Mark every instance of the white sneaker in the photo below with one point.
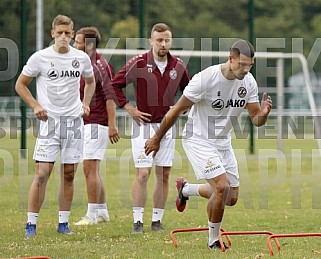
(103, 218)
(86, 221)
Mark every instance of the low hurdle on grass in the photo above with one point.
(193, 230)
(227, 234)
(275, 236)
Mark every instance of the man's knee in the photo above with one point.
(142, 177)
(69, 176)
(41, 179)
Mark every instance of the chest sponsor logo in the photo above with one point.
(218, 104)
(235, 103)
(242, 92)
(54, 74)
(70, 73)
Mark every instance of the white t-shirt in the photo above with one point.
(161, 65)
(218, 103)
(58, 79)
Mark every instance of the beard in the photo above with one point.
(162, 53)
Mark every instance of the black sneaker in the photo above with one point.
(157, 226)
(217, 245)
(138, 228)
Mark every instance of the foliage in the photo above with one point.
(195, 19)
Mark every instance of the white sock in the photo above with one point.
(91, 210)
(32, 218)
(157, 214)
(138, 213)
(191, 190)
(213, 232)
(64, 216)
(102, 209)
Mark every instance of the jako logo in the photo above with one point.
(52, 74)
(218, 104)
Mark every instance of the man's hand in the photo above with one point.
(41, 113)
(86, 110)
(113, 134)
(266, 104)
(138, 116)
(152, 145)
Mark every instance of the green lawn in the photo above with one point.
(277, 194)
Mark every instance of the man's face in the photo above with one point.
(80, 42)
(62, 35)
(241, 65)
(161, 42)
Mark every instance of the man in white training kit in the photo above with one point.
(58, 70)
(216, 96)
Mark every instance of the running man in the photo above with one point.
(217, 96)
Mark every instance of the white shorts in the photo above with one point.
(95, 142)
(64, 136)
(140, 134)
(208, 162)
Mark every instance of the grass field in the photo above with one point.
(277, 194)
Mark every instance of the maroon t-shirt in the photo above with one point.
(154, 92)
(103, 72)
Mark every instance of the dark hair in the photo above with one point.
(91, 35)
(243, 47)
(160, 27)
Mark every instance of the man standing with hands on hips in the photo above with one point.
(157, 76)
(217, 96)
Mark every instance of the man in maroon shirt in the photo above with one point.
(157, 76)
(100, 125)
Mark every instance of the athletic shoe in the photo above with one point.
(138, 228)
(217, 245)
(157, 226)
(64, 229)
(181, 199)
(86, 221)
(103, 218)
(30, 230)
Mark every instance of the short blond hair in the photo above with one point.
(62, 20)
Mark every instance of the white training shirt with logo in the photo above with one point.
(58, 79)
(218, 104)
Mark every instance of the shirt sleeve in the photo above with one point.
(105, 74)
(32, 67)
(119, 82)
(88, 69)
(185, 79)
(196, 88)
(253, 90)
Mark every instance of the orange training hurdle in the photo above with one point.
(230, 233)
(288, 235)
(192, 230)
